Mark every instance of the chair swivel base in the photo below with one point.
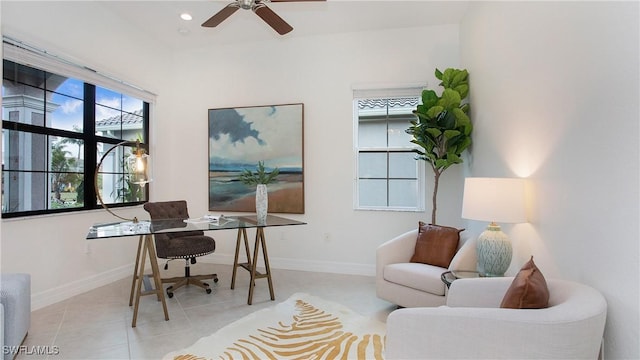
(189, 280)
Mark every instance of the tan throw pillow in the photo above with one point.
(436, 245)
(528, 289)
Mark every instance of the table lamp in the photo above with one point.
(138, 167)
(495, 200)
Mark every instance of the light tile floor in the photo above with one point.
(97, 324)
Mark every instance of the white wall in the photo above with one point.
(554, 98)
(53, 249)
(318, 72)
(554, 88)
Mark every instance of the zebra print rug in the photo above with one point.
(302, 327)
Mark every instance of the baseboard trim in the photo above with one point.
(303, 265)
(66, 291)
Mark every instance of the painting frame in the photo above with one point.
(239, 138)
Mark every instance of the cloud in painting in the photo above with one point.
(229, 122)
(268, 133)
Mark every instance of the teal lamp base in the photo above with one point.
(494, 252)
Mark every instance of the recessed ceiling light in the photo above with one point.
(186, 16)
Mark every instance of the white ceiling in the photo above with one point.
(161, 19)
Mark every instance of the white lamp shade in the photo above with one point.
(500, 200)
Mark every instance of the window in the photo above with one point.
(388, 176)
(55, 128)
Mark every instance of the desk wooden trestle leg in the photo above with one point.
(146, 247)
(251, 263)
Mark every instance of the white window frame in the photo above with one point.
(373, 92)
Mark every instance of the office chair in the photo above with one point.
(185, 245)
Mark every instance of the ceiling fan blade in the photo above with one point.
(221, 15)
(271, 18)
(294, 0)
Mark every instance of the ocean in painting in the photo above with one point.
(227, 193)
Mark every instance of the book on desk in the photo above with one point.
(211, 219)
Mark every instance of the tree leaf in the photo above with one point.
(447, 121)
(422, 117)
(462, 89)
(463, 145)
(446, 78)
(434, 132)
(459, 77)
(453, 159)
(435, 111)
(450, 99)
(462, 119)
(440, 163)
(429, 98)
(438, 74)
(464, 123)
(451, 133)
(420, 143)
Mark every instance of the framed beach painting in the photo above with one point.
(239, 138)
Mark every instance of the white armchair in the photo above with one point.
(414, 284)
(472, 326)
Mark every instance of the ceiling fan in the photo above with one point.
(257, 6)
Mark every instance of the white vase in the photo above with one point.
(262, 203)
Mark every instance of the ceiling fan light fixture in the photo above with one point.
(246, 4)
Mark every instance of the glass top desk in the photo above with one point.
(146, 248)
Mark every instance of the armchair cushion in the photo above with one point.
(436, 245)
(528, 289)
(417, 276)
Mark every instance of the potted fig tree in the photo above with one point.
(442, 128)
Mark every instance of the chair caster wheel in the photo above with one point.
(208, 291)
(215, 280)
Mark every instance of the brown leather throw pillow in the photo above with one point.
(436, 245)
(528, 290)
